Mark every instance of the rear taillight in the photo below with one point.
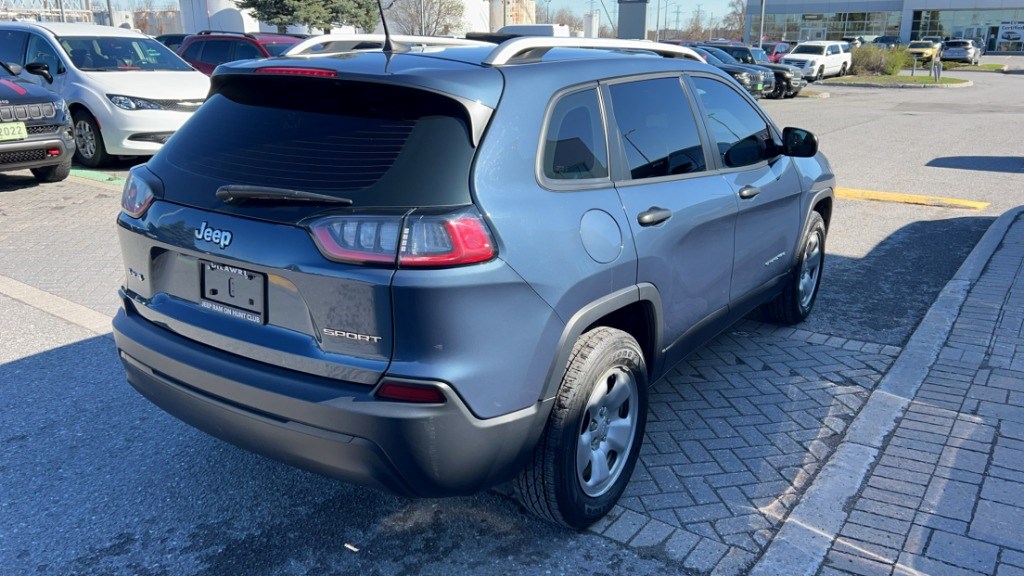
(137, 194)
(359, 239)
(414, 241)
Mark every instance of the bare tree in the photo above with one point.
(736, 19)
(695, 27)
(569, 18)
(427, 17)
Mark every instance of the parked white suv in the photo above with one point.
(820, 58)
(127, 92)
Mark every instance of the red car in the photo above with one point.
(776, 50)
(210, 48)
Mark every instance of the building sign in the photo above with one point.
(1010, 32)
(813, 16)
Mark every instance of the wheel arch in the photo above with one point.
(823, 206)
(636, 310)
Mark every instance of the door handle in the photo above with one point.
(654, 215)
(748, 192)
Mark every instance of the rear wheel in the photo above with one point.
(90, 149)
(584, 459)
(797, 299)
(54, 173)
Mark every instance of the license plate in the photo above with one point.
(760, 86)
(13, 131)
(233, 291)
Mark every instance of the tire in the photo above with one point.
(603, 392)
(820, 74)
(797, 299)
(842, 70)
(54, 173)
(792, 94)
(778, 91)
(90, 149)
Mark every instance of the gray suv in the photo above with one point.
(437, 270)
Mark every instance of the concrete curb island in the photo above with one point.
(800, 546)
(966, 84)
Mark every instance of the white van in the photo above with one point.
(127, 92)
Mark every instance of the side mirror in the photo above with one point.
(40, 69)
(15, 69)
(799, 143)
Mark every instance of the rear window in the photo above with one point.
(279, 48)
(955, 44)
(375, 144)
(805, 49)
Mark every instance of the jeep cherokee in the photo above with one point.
(446, 268)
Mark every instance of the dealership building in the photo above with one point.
(997, 23)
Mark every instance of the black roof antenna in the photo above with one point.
(390, 47)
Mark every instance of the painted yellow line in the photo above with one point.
(855, 194)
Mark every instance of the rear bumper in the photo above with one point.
(333, 428)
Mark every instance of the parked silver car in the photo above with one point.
(962, 51)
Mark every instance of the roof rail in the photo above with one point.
(206, 32)
(375, 41)
(250, 34)
(510, 49)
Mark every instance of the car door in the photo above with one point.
(682, 214)
(39, 49)
(833, 59)
(765, 184)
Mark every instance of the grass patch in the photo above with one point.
(992, 67)
(893, 80)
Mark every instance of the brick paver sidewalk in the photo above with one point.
(947, 494)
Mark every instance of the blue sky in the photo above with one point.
(686, 8)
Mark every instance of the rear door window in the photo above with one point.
(192, 52)
(656, 128)
(741, 135)
(574, 145)
(246, 51)
(216, 51)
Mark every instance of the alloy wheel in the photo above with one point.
(85, 139)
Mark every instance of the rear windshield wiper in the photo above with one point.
(235, 193)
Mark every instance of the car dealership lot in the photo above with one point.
(99, 481)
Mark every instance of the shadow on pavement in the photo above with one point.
(1011, 164)
(883, 296)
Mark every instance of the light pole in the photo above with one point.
(760, 35)
(657, 22)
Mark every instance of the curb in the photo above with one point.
(800, 546)
(966, 84)
(814, 95)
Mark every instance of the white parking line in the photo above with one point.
(62, 308)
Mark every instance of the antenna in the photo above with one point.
(390, 46)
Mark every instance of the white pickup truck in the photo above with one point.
(820, 58)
